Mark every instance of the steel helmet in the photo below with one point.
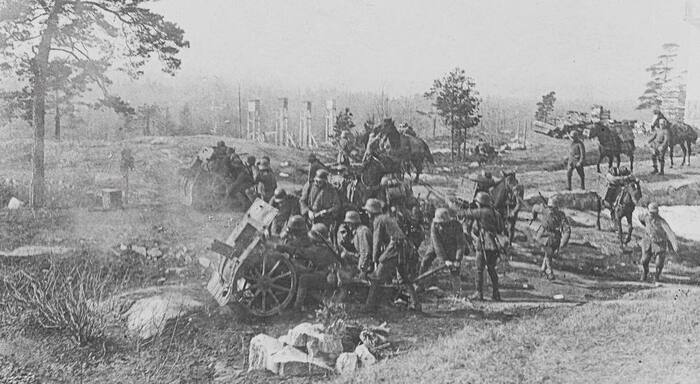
(483, 198)
(553, 201)
(250, 160)
(442, 215)
(386, 180)
(319, 231)
(373, 206)
(352, 217)
(486, 174)
(321, 174)
(653, 207)
(280, 194)
(624, 171)
(221, 144)
(296, 224)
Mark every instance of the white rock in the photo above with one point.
(558, 297)
(154, 253)
(347, 363)
(147, 316)
(262, 347)
(204, 262)
(292, 362)
(366, 357)
(140, 250)
(474, 164)
(15, 203)
(307, 334)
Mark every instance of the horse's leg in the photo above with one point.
(600, 208)
(600, 156)
(690, 144)
(618, 157)
(631, 155)
(418, 164)
(618, 221)
(670, 155)
(629, 226)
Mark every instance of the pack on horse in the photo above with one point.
(624, 206)
(385, 141)
(681, 134)
(507, 197)
(611, 146)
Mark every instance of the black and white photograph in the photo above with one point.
(349, 191)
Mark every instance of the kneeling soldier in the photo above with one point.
(447, 243)
(320, 260)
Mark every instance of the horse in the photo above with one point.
(611, 146)
(507, 197)
(681, 133)
(409, 151)
(625, 203)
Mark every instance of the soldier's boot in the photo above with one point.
(568, 181)
(645, 273)
(373, 297)
(301, 298)
(583, 182)
(661, 166)
(657, 274)
(496, 295)
(479, 294)
(655, 169)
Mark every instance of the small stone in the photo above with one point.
(204, 262)
(15, 203)
(123, 247)
(347, 363)
(292, 362)
(558, 297)
(139, 250)
(154, 253)
(366, 357)
(260, 352)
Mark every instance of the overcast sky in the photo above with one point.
(580, 48)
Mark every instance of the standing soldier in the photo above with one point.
(265, 182)
(392, 254)
(345, 148)
(659, 144)
(447, 244)
(554, 236)
(287, 206)
(487, 223)
(319, 260)
(314, 165)
(577, 159)
(484, 182)
(320, 201)
(252, 166)
(657, 236)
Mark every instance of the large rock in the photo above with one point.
(262, 347)
(347, 363)
(366, 357)
(148, 315)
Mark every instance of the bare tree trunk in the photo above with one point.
(41, 66)
(57, 122)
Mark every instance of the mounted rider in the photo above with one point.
(657, 237)
(486, 224)
(554, 235)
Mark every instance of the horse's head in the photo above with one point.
(510, 179)
(634, 189)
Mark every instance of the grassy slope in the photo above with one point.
(647, 337)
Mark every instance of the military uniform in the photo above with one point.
(319, 262)
(577, 159)
(659, 144)
(322, 200)
(265, 184)
(355, 246)
(345, 149)
(487, 224)
(393, 254)
(555, 228)
(615, 183)
(447, 243)
(287, 206)
(657, 236)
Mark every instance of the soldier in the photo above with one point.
(392, 254)
(355, 242)
(345, 147)
(265, 182)
(659, 144)
(555, 235)
(314, 165)
(252, 167)
(320, 201)
(447, 242)
(294, 234)
(657, 236)
(287, 206)
(577, 159)
(484, 182)
(487, 223)
(320, 260)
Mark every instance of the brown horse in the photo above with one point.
(685, 136)
(625, 203)
(610, 145)
(507, 197)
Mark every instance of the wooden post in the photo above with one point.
(330, 118)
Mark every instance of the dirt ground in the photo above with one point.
(592, 271)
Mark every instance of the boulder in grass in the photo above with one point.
(365, 356)
(260, 352)
(307, 334)
(347, 363)
(15, 203)
(290, 361)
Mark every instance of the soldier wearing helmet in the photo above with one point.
(486, 223)
(554, 234)
(577, 159)
(317, 262)
(320, 201)
(484, 182)
(655, 243)
(355, 242)
(447, 242)
(314, 165)
(392, 254)
(287, 206)
(659, 143)
(265, 182)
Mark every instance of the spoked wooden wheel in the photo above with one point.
(266, 283)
